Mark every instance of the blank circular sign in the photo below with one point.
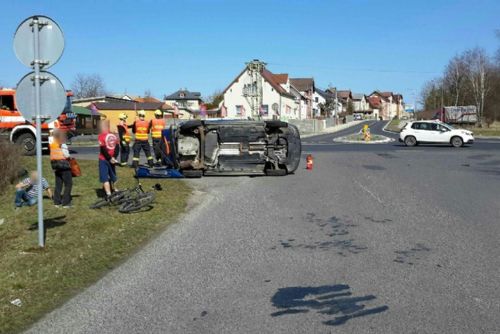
(51, 41)
(52, 96)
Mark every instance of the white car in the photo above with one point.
(434, 132)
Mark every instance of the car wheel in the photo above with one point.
(192, 173)
(276, 124)
(276, 172)
(190, 125)
(410, 141)
(457, 142)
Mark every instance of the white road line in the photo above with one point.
(369, 192)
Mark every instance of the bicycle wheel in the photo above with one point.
(100, 204)
(141, 201)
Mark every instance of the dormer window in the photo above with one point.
(182, 94)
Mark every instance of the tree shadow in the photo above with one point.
(336, 300)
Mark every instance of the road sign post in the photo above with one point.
(38, 123)
(39, 49)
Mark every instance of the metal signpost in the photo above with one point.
(38, 44)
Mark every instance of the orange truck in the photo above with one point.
(22, 131)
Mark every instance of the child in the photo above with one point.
(27, 190)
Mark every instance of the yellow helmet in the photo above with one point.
(123, 116)
(141, 113)
(158, 112)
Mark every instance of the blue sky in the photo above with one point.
(203, 45)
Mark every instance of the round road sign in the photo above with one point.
(51, 41)
(52, 96)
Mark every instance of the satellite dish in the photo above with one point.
(51, 41)
(275, 107)
(53, 96)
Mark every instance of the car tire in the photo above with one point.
(276, 124)
(410, 141)
(457, 141)
(192, 173)
(28, 143)
(190, 125)
(276, 172)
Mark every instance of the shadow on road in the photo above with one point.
(336, 300)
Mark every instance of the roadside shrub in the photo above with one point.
(10, 164)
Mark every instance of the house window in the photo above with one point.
(316, 99)
(239, 110)
(264, 110)
(288, 109)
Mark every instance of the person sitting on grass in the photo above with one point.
(108, 152)
(27, 190)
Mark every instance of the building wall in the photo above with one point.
(112, 116)
(317, 100)
(190, 104)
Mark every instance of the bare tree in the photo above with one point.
(88, 85)
(147, 93)
(478, 67)
(454, 78)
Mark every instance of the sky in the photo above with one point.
(162, 46)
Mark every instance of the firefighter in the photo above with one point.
(157, 126)
(124, 135)
(141, 129)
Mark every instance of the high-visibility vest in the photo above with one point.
(126, 135)
(141, 130)
(157, 127)
(56, 152)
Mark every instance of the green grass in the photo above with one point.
(360, 137)
(81, 244)
(486, 132)
(393, 126)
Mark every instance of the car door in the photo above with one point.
(444, 134)
(433, 133)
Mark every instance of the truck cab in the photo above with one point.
(16, 128)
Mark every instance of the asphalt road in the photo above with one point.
(376, 239)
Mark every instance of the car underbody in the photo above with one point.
(236, 147)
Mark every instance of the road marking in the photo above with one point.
(369, 192)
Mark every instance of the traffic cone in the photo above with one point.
(309, 162)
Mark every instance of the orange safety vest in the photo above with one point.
(56, 152)
(126, 136)
(141, 130)
(157, 127)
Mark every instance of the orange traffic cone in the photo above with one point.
(309, 162)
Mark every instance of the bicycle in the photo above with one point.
(128, 200)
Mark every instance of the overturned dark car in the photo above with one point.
(232, 147)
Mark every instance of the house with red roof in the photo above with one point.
(260, 93)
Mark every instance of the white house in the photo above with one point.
(319, 98)
(277, 101)
(360, 103)
(306, 87)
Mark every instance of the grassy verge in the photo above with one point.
(360, 137)
(81, 244)
(393, 126)
(486, 132)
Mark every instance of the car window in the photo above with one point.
(434, 127)
(415, 126)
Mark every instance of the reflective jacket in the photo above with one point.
(141, 130)
(56, 152)
(126, 133)
(157, 126)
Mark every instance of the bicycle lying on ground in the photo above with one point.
(128, 200)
